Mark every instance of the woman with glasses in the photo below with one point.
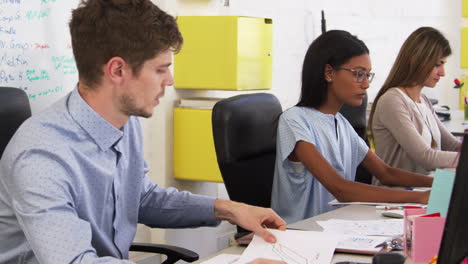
(406, 131)
(318, 150)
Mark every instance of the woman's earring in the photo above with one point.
(329, 79)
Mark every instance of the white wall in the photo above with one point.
(383, 25)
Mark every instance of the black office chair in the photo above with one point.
(244, 131)
(356, 115)
(14, 109)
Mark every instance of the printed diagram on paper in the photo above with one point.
(289, 255)
(294, 247)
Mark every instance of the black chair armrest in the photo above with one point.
(173, 253)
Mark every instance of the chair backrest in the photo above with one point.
(356, 115)
(14, 109)
(244, 131)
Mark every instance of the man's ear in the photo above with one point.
(114, 69)
(328, 73)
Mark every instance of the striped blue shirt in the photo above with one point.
(296, 193)
(73, 188)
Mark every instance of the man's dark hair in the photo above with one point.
(135, 30)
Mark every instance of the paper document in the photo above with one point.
(390, 227)
(335, 202)
(293, 246)
(223, 259)
(442, 186)
(361, 244)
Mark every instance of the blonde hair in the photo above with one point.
(418, 56)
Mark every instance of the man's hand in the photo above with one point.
(249, 217)
(266, 261)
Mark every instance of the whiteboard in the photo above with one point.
(35, 49)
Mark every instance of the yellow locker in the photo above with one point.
(465, 8)
(194, 153)
(464, 48)
(224, 53)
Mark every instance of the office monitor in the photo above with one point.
(454, 245)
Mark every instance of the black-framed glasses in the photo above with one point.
(359, 74)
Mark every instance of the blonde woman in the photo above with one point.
(403, 125)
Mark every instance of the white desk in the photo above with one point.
(351, 212)
(456, 125)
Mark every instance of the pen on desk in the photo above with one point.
(387, 207)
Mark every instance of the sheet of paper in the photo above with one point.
(361, 244)
(294, 246)
(223, 259)
(335, 202)
(390, 227)
(441, 192)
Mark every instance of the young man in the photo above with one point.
(73, 181)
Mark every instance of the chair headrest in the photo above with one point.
(356, 115)
(14, 109)
(244, 126)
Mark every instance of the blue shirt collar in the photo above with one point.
(102, 132)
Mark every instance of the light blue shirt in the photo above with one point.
(73, 188)
(296, 193)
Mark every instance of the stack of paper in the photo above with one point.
(335, 202)
(391, 227)
(362, 244)
(305, 247)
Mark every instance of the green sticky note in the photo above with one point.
(441, 191)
